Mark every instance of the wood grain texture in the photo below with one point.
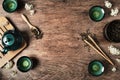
(61, 54)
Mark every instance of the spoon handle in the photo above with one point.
(26, 20)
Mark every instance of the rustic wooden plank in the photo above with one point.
(1, 46)
(61, 53)
(5, 23)
(1, 33)
(3, 29)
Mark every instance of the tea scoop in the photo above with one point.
(37, 33)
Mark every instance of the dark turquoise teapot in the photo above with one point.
(11, 40)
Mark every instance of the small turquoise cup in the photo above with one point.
(96, 13)
(24, 64)
(10, 5)
(96, 68)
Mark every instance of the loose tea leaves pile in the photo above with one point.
(84, 36)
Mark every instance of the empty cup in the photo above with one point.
(24, 64)
(10, 5)
(96, 13)
(96, 68)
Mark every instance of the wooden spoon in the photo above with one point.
(34, 30)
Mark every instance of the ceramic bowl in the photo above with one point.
(24, 64)
(96, 68)
(112, 31)
(10, 5)
(96, 13)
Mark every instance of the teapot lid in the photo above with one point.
(8, 39)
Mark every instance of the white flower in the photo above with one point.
(114, 12)
(118, 60)
(13, 73)
(114, 69)
(113, 50)
(28, 6)
(108, 4)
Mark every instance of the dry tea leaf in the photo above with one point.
(37, 33)
(13, 73)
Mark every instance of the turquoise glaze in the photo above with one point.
(96, 13)
(10, 5)
(24, 64)
(9, 39)
(96, 68)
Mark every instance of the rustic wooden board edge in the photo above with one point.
(11, 54)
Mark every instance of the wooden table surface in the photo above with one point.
(61, 54)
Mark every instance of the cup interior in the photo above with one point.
(24, 64)
(96, 68)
